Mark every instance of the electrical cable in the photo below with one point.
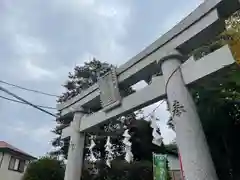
(13, 100)
(27, 102)
(154, 109)
(27, 89)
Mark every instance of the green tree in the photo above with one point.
(45, 168)
(81, 79)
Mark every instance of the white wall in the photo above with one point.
(174, 163)
(5, 173)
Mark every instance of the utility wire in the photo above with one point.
(27, 102)
(154, 109)
(27, 89)
(171, 75)
(21, 102)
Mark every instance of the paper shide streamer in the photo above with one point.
(157, 140)
(109, 152)
(128, 146)
(157, 137)
(92, 157)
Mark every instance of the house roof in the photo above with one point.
(8, 147)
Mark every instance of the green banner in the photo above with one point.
(159, 167)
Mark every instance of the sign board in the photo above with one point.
(160, 171)
(109, 91)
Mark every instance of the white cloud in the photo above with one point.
(84, 2)
(29, 45)
(76, 4)
(39, 134)
(107, 11)
(35, 72)
(103, 25)
(179, 14)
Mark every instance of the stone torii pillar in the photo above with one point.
(191, 141)
(76, 148)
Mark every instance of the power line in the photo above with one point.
(154, 109)
(27, 102)
(27, 89)
(171, 75)
(13, 100)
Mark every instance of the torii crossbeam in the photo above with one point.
(166, 56)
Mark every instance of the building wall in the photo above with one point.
(173, 162)
(174, 166)
(5, 173)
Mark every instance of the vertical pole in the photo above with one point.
(76, 149)
(196, 159)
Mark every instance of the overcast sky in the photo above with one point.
(42, 40)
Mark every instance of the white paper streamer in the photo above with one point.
(92, 145)
(126, 134)
(156, 133)
(129, 156)
(108, 162)
(153, 123)
(92, 157)
(128, 144)
(109, 150)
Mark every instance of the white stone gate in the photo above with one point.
(167, 57)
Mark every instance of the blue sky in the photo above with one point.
(42, 40)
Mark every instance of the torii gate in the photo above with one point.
(167, 57)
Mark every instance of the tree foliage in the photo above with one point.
(45, 168)
(83, 77)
